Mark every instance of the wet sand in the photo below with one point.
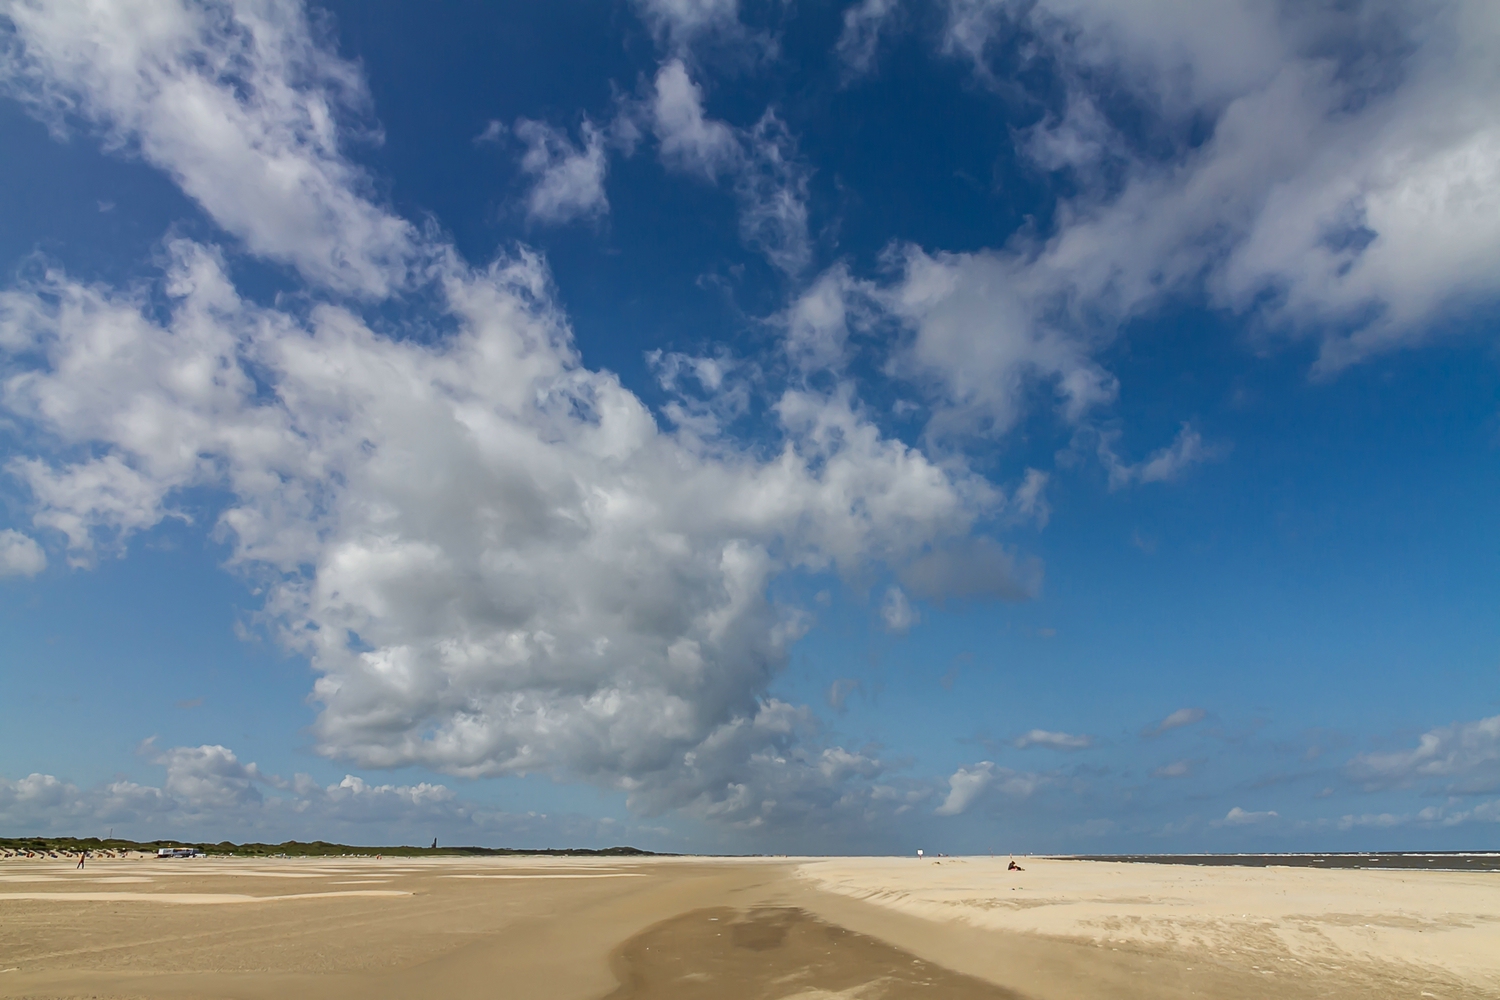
(773, 952)
(737, 929)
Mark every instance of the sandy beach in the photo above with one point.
(739, 929)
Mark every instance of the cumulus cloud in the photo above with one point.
(237, 102)
(967, 784)
(1242, 817)
(1347, 186)
(540, 576)
(817, 322)
(1055, 741)
(543, 579)
(689, 140)
(1178, 719)
(20, 555)
(209, 793)
(896, 611)
(964, 786)
(211, 779)
(981, 337)
(568, 180)
(1462, 758)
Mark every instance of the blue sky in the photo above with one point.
(727, 425)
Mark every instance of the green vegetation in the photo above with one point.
(294, 848)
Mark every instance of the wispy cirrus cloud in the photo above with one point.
(1162, 465)
(768, 178)
(859, 40)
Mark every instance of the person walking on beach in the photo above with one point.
(81, 856)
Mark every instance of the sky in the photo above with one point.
(752, 426)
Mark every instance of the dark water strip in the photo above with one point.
(1462, 861)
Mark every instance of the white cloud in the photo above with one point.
(679, 23)
(982, 339)
(1446, 815)
(1176, 769)
(20, 555)
(545, 579)
(1348, 188)
(859, 40)
(1079, 140)
(1055, 741)
(1462, 758)
(964, 786)
(235, 101)
(1241, 817)
(1178, 719)
(209, 794)
(690, 141)
(1163, 465)
(896, 611)
(772, 190)
(817, 321)
(1484, 812)
(1029, 501)
(541, 577)
(1379, 821)
(211, 779)
(769, 180)
(569, 181)
(967, 784)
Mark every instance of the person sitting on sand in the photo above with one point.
(1013, 867)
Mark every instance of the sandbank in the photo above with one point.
(740, 929)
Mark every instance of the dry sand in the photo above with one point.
(743, 929)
